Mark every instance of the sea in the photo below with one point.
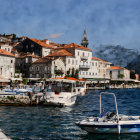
(55, 123)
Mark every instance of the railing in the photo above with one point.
(84, 66)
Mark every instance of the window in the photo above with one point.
(83, 73)
(119, 72)
(46, 68)
(86, 73)
(78, 53)
(26, 60)
(93, 73)
(89, 73)
(37, 75)
(37, 68)
(72, 62)
(30, 75)
(92, 63)
(11, 61)
(68, 61)
(83, 54)
(76, 62)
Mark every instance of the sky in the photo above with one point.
(107, 22)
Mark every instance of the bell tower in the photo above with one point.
(84, 41)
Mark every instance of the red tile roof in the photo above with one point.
(76, 46)
(61, 52)
(23, 55)
(116, 67)
(3, 52)
(41, 43)
(95, 58)
(43, 60)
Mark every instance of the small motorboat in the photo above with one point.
(110, 122)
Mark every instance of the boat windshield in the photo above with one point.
(61, 87)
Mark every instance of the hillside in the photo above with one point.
(135, 65)
(117, 55)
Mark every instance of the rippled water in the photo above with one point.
(54, 123)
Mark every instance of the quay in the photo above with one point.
(3, 136)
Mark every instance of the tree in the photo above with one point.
(25, 81)
(120, 76)
(73, 72)
(77, 74)
(132, 75)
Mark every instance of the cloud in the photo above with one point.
(56, 35)
(107, 21)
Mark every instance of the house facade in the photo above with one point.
(7, 65)
(118, 73)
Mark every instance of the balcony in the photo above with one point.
(84, 66)
(84, 57)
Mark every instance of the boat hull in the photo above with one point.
(126, 128)
(65, 102)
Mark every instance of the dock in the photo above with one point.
(3, 136)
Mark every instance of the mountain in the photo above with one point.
(135, 64)
(117, 55)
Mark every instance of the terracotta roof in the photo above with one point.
(23, 55)
(95, 58)
(116, 67)
(41, 43)
(3, 52)
(42, 60)
(61, 52)
(76, 46)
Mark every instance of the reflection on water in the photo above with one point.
(33, 123)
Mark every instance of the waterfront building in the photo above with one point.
(38, 47)
(47, 67)
(6, 46)
(118, 73)
(23, 62)
(7, 64)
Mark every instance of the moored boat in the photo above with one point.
(110, 122)
(61, 92)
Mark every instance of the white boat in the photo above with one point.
(63, 92)
(111, 122)
(81, 87)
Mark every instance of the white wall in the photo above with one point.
(7, 66)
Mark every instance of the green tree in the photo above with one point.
(132, 75)
(25, 81)
(76, 74)
(120, 76)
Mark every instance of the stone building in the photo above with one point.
(30, 45)
(47, 67)
(23, 62)
(7, 64)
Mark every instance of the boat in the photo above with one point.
(110, 122)
(82, 86)
(61, 92)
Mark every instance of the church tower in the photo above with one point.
(84, 41)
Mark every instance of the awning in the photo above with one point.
(3, 79)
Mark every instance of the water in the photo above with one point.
(54, 123)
